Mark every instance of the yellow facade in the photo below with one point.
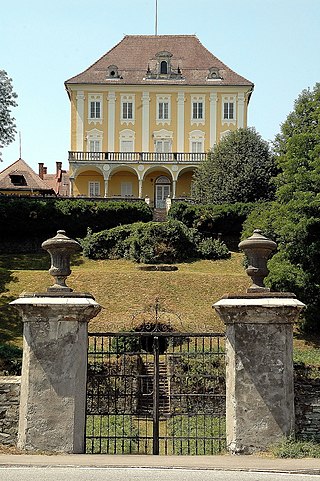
(147, 138)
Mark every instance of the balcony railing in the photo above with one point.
(137, 156)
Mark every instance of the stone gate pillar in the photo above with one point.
(54, 367)
(259, 373)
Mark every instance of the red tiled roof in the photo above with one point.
(31, 180)
(58, 182)
(135, 53)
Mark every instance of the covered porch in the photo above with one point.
(153, 183)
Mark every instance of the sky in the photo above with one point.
(273, 43)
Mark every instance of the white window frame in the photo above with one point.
(126, 100)
(224, 133)
(94, 144)
(196, 100)
(94, 188)
(227, 101)
(126, 136)
(163, 146)
(197, 146)
(95, 99)
(163, 114)
(163, 139)
(126, 189)
(196, 142)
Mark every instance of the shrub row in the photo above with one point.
(212, 219)
(152, 242)
(33, 218)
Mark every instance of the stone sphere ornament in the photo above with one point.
(60, 249)
(258, 249)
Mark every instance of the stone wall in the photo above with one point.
(9, 409)
(307, 403)
(307, 406)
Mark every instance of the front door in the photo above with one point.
(162, 192)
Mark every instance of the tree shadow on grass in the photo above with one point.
(11, 327)
(32, 262)
(312, 340)
(10, 322)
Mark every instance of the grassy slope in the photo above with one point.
(123, 290)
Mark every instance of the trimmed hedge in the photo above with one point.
(213, 219)
(33, 218)
(152, 242)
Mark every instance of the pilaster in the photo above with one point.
(79, 119)
(240, 110)
(111, 120)
(213, 118)
(180, 121)
(145, 121)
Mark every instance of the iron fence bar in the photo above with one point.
(156, 396)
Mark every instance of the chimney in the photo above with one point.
(45, 169)
(58, 168)
(41, 167)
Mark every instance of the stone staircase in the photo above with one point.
(145, 404)
(159, 215)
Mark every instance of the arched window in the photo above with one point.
(162, 179)
(163, 67)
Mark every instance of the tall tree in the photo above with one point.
(294, 219)
(297, 148)
(7, 101)
(237, 169)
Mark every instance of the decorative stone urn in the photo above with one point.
(257, 249)
(60, 249)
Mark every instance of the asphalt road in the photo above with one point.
(140, 474)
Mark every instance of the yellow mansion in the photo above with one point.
(144, 115)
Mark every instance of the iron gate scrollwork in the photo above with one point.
(156, 393)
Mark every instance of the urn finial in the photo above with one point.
(257, 249)
(60, 249)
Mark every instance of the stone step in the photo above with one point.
(159, 215)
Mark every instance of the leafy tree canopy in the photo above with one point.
(293, 220)
(7, 101)
(237, 169)
(297, 148)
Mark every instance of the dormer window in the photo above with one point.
(164, 62)
(113, 71)
(163, 67)
(214, 74)
(18, 179)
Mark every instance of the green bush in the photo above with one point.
(210, 220)
(157, 242)
(213, 249)
(152, 242)
(32, 218)
(107, 244)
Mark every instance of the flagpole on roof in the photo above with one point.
(20, 144)
(156, 23)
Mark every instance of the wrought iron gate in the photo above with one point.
(156, 393)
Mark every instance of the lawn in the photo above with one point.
(123, 290)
